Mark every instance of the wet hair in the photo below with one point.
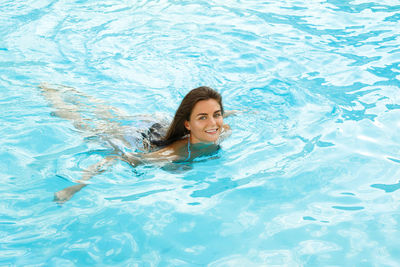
(177, 129)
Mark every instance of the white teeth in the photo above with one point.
(211, 131)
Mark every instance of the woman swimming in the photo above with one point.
(196, 130)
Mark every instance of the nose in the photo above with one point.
(212, 121)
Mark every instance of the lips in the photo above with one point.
(212, 131)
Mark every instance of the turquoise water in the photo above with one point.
(309, 177)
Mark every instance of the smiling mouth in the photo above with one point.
(212, 131)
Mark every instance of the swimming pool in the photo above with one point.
(309, 177)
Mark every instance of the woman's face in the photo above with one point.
(205, 122)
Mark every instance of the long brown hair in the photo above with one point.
(177, 128)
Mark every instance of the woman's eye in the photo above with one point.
(202, 117)
(217, 115)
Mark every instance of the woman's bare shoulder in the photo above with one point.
(170, 152)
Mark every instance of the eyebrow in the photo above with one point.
(201, 114)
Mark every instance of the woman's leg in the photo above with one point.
(63, 109)
(85, 112)
(89, 115)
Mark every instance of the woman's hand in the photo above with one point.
(64, 195)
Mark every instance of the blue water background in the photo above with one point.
(309, 177)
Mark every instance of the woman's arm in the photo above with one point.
(228, 113)
(97, 168)
(133, 159)
(163, 155)
(170, 153)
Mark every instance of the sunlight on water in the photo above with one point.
(309, 177)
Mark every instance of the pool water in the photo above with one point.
(309, 177)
